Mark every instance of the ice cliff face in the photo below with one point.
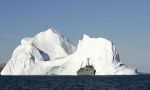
(51, 53)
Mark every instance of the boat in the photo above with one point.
(87, 70)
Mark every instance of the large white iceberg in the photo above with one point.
(50, 53)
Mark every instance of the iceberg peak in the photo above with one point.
(26, 41)
(86, 37)
(52, 31)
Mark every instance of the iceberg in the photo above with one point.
(50, 53)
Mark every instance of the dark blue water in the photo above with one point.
(140, 82)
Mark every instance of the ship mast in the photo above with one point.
(81, 65)
(88, 63)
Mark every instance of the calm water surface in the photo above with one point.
(140, 82)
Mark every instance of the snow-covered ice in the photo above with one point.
(50, 53)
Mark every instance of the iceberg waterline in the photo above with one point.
(50, 53)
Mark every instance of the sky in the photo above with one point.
(124, 22)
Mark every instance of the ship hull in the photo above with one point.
(86, 73)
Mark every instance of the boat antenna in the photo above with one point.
(88, 63)
(81, 65)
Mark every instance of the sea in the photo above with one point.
(137, 82)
